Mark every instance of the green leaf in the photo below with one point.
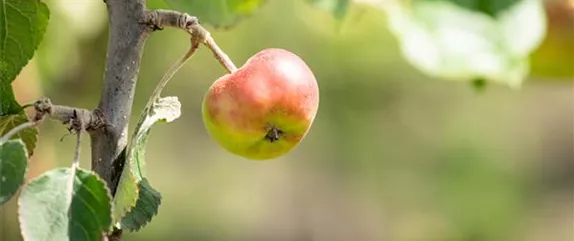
(218, 13)
(338, 7)
(165, 109)
(479, 85)
(29, 135)
(65, 204)
(22, 26)
(490, 7)
(126, 194)
(146, 207)
(13, 167)
(447, 41)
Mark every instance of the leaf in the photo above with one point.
(490, 7)
(218, 13)
(338, 7)
(479, 85)
(29, 135)
(447, 41)
(128, 194)
(65, 204)
(146, 207)
(22, 26)
(13, 167)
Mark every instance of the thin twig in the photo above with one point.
(160, 18)
(29, 104)
(76, 163)
(171, 71)
(17, 129)
(218, 53)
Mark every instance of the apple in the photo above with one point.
(265, 108)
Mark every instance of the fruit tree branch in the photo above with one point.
(126, 40)
(160, 18)
(92, 120)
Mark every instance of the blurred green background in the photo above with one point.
(393, 155)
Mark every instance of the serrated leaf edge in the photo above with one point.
(152, 216)
(39, 4)
(124, 212)
(108, 193)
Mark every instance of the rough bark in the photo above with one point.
(126, 40)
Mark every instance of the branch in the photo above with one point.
(158, 19)
(126, 40)
(125, 47)
(76, 163)
(93, 120)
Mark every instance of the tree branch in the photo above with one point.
(129, 25)
(125, 44)
(125, 48)
(90, 120)
(160, 18)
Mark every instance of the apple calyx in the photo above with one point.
(273, 134)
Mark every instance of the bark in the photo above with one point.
(130, 23)
(127, 35)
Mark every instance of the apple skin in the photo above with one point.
(265, 108)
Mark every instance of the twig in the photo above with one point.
(27, 105)
(157, 19)
(218, 53)
(17, 129)
(90, 120)
(77, 151)
(172, 70)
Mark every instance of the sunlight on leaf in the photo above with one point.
(447, 41)
(130, 199)
(65, 204)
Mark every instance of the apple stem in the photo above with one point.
(198, 31)
(159, 18)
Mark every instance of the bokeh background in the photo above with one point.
(394, 155)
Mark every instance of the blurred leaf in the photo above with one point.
(479, 85)
(447, 41)
(490, 7)
(217, 13)
(65, 204)
(22, 25)
(29, 135)
(13, 167)
(146, 207)
(165, 109)
(337, 7)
